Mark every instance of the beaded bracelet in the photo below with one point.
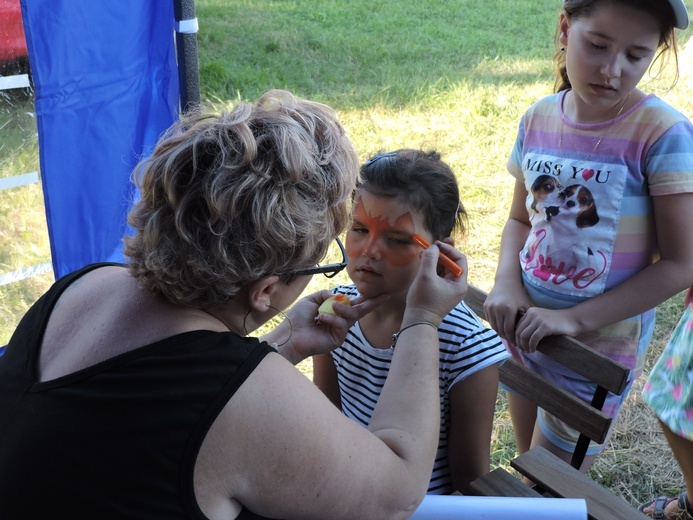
(396, 335)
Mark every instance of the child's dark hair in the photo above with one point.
(423, 181)
(658, 9)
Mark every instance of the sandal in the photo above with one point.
(660, 504)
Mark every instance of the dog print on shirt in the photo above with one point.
(573, 220)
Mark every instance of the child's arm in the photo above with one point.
(669, 275)
(508, 298)
(325, 378)
(472, 405)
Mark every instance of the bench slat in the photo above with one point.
(500, 483)
(558, 402)
(564, 481)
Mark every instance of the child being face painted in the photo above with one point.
(398, 194)
(382, 256)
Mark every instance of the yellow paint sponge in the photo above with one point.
(326, 306)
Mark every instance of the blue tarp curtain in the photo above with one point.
(106, 85)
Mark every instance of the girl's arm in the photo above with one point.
(508, 298)
(325, 378)
(472, 405)
(670, 274)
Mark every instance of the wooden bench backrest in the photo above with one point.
(551, 475)
(606, 373)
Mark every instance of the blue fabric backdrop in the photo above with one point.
(106, 84)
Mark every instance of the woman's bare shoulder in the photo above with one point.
(102, 314)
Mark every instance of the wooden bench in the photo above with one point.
(553, 477)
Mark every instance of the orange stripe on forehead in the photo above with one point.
(380, 228)
(403, 223)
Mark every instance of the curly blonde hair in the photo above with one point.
(227, 199)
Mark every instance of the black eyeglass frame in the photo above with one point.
(329, 270)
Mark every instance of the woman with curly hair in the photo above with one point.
(134, 391)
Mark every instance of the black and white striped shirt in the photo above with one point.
(466, 346)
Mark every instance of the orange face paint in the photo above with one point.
(380, 233)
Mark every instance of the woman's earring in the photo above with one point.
(286, 317)
(291, 325)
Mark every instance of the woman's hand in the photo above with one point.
(310, 337)
(430, 295)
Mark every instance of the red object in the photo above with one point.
(12, 39)
(444, 259)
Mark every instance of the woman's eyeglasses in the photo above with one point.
(329, 270)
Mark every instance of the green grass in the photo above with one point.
(451, 75)
(358, 54)
(23, 233)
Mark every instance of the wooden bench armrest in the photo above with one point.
(558, 402)
(500, 483)
(603, 371)
(562, 480)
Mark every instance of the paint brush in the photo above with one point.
(443, 259)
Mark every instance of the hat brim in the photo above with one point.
(680, 13)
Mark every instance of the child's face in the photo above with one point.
(382, 256)
(607, 54)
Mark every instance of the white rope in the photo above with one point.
(18, 81)
(19, 180)
(27, 272)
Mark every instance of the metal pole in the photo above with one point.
(186, 51)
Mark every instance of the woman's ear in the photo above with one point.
(260, 292)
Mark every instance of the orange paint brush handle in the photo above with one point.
(443, 259)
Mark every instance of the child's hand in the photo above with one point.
(313, 336)
(538, 323)
(504, 308)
